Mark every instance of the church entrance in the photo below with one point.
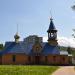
(37, 59)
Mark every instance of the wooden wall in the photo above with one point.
(20, 59)
(24, 59)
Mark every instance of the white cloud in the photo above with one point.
(64, 41)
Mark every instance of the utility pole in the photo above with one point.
(73, 8)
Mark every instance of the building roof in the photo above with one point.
(21, 47)
(63, 53)
(51, 26)
(48, 49)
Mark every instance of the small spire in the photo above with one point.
(17, 36)
(51, 18)
(17, 28)
(17, 31)
(51, 25)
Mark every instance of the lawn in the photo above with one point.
(26, 70)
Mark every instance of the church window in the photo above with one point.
(45, 58)
(29, 58)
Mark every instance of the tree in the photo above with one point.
(69, 50)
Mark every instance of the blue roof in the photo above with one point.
(48, 49)
(7, 45)
(21, 47)
(51, 26)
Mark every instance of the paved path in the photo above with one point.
(66, 70)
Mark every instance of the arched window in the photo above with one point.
(52, 35)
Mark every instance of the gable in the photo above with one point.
(37, 48)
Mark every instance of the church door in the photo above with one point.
(37, 59)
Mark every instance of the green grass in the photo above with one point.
(26, 70)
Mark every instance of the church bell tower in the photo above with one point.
(52, 34)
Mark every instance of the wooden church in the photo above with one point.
(32, 50)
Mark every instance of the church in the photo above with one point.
(32, 50)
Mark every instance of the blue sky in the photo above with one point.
(32, 16)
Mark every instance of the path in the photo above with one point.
(66, 70)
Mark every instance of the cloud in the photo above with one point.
(64, 41)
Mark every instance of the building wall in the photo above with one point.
(58, 59)
(24, 59)
(32, 39)
(64, 59)
(51, 59)
(20, 59)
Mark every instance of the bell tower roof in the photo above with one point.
(51, 26)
